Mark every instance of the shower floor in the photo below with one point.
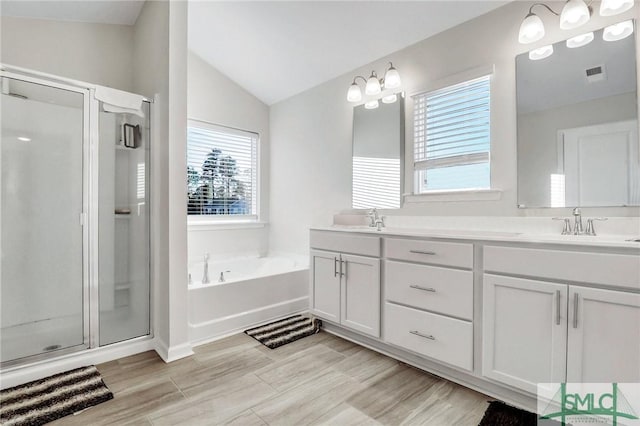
(36, 337)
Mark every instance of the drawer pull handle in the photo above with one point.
(417, 333)
(417, 287)
(576, 299)
(429, 253)
(557, 307)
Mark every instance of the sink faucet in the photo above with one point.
(577, 225)
(205, 276)
(379, 223)
(373, 217)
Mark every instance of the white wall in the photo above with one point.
(160, 73)
(311, 132)
(95, 53)
(214, 98)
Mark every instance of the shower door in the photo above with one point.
(43, 272)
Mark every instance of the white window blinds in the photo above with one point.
(222, 174)
(452, 137)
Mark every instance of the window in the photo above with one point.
(221, 172)
(452, 137)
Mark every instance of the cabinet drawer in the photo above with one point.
(365, 245)
(597, 268)
(442, 290)
(435, 336)
(434, 252)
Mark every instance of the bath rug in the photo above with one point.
(45, 400)
(500, 414)
(278, 333)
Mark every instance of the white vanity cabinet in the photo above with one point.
(428, 305)
(345, 287)
(524, 338)
(559, 330)
(603, 336)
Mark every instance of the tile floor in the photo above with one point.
(318, 380)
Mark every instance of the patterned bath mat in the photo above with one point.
(500, 414)
(48, 399)
(285, 331)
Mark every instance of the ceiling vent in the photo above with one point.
(594, 74)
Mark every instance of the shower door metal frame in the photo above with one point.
(83, 219)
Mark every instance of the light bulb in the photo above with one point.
(580, 40)
(371, 104)
(574, 14)
(618, 31)
(391, 78)
(531, 29)
(354, 94)
(389, 99)
(613, 7)
(373, 85)
(541, 53)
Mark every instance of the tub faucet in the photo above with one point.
(205, 276)
(221, 279)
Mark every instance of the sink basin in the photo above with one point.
(434, 232)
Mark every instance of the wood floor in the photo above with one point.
(318, 380)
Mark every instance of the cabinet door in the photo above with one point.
(524, 326)
(361, 294)
(604, 336)
(325, 285)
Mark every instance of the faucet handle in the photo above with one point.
(591, 230)
(566, 229)
(577, 211)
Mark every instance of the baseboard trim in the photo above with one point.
(19, 375)
(209, 331)
(468, 380)
(174, 353)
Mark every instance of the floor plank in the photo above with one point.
(320, 380)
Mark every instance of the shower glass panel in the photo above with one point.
(123, 221)
(42, 296)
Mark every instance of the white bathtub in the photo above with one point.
(255, 290)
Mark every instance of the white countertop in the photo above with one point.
(614, 241)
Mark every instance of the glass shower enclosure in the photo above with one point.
(74, 220)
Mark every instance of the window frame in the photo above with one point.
(459, 194)
(228, 221)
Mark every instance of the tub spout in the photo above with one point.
(205, 276)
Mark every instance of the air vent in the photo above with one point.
(594, 74)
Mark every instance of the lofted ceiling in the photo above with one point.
(276, 49)
(123, 12)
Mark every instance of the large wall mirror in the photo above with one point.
(578, 126)
(378, 154)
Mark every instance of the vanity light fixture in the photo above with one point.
(618, 31)
(374, 85)
(580, 40)
(541, 53)
(532, 28)
(575, 13)
(613, 7)
(24, 139)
